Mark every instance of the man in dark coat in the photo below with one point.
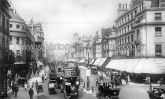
(16, 90)
(31, 93)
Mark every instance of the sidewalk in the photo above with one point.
(22, 94)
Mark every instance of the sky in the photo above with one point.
(62, 18)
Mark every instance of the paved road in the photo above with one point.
(131, 91)
(22, 94)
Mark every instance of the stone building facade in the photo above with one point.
(20, 39)
(140, 29)
(4, 44)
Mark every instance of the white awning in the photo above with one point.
(82, 61)
(97, 62)
(151, 66)
(130, 64)
(91, 62)
(72, 60)
(101, 61)
(112, 64)
(123, 64)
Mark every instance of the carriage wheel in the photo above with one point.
(97, 95)
(106, 97)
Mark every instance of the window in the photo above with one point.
(17, 52)
(131, 16)
(18, 39)
(23, 27)
(11, 25)
(3, 24)
(158, 31)
(135, 12)
(138, 34)
(131, 37)
(128, 39)
(10, 39)
(157, 16)
(17, 26)
(125, 40)
(158, 50)
(131, 25)
(128, 17)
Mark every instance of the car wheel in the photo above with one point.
(106, 97)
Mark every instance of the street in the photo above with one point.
(130, 91)
(22, 94)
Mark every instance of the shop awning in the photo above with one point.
(82, 61)
(151, 66)
(101, 62)
(112, 64)
(120, 64)
(123, 64)
(92, 61)
(97, 62)
(72, 60)
(131, 64)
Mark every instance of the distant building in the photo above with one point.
(140, 29)
(98, 44)
(108, 42)
(37, 31)
(4, 43)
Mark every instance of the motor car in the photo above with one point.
(106, 91)
(156, 92)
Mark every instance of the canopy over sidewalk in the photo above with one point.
(151, 66)
(99, 62)
(143, 65)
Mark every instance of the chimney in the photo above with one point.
(119, 5)
(122, 9)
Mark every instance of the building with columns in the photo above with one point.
(4, 44)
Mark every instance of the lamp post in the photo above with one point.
(88, 70)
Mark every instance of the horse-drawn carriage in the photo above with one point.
(107, 91)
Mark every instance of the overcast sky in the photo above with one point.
(62, 18)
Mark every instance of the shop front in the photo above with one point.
(21, 69)
(3, 80)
